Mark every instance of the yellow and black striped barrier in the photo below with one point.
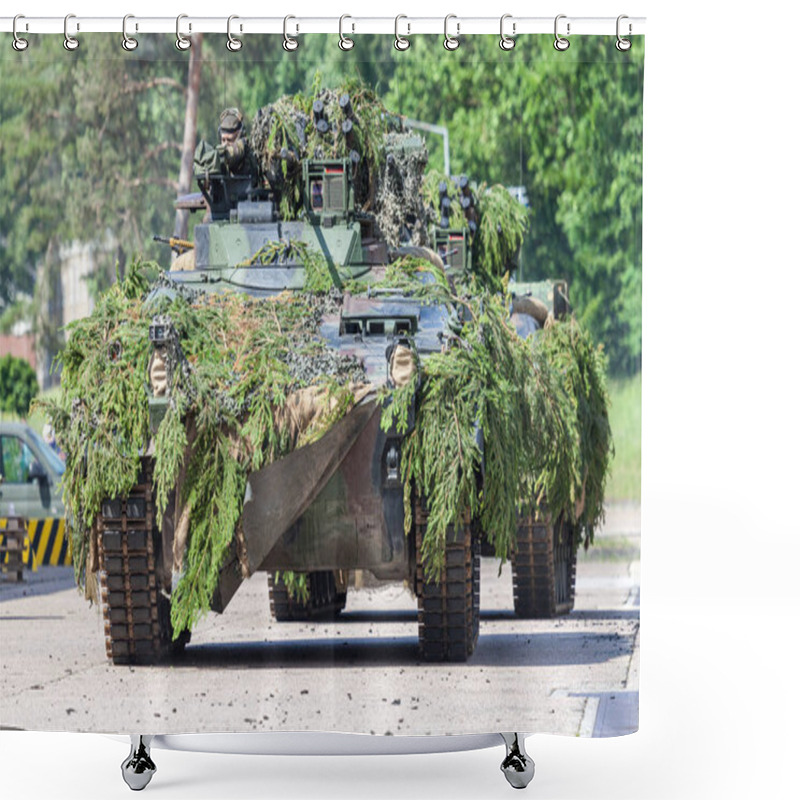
(47, 543)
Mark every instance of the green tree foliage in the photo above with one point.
(566, 126)
(18, 385)
(585, 166)
(89, 148)
(30, 137)
(92, 143)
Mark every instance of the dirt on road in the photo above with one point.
(577, 675)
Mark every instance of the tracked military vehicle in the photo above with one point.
(334, 506)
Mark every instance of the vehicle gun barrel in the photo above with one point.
(178, 245)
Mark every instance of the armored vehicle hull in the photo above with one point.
(326, 510)
(337, 504)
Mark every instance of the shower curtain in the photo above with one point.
(284, 582)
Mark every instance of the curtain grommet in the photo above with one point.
(401, 43)
(70, 42)
(561, 44)
(345, 42)
(622, 44)
(19, 44)
(451, 42)
(233, 44)
(128, 42)
(507, 42)
(182, 42)
(290, 44)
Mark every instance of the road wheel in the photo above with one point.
(135, 611)
(448, 611)
(543, 569)
(327, 597)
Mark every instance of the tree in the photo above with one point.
(93, 144)
(584, 157)
(30, 140)
(90, 146)
(18, 385)
(189, 132)
(565, 125)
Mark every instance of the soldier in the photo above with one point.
(232, 155)
(234, 151)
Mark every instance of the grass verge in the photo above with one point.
(625, 480)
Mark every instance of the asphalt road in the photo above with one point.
(577, 675)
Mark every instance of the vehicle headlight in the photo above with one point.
(157, 372)
(401, 365)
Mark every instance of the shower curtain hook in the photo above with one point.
(623, 44)
(451, 42)
(182, 42)
(70, 42)
(506, 42)
(345, 43)
(560, 43)
(400, 42)
(19, 44)
(233, 44)
(289, 44)
(128, 42)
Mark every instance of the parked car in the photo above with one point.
(30, 474)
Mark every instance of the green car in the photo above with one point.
(30, 473)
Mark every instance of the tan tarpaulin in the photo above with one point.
(280, 493)
(293, 481)
(306, 411)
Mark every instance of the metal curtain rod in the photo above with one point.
(406, 26)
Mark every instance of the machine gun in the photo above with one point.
(180, 246)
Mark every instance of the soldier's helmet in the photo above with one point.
(230, 121)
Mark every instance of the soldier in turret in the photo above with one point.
(232, 156)
(234, 149)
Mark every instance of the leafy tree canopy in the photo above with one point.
(91, 144)
(18, 385)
